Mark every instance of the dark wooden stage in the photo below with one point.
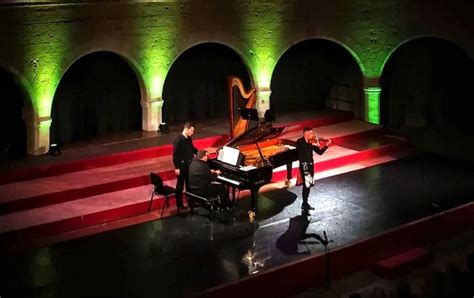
(184, 255)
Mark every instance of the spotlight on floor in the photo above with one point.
(163, 128)
(54, 150)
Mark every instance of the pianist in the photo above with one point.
(201, 180)
(183, 154)
(305, 146)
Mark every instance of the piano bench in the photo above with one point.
(209, 202)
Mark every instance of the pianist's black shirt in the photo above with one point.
(183, 151)
(305, 150)
(200, 176)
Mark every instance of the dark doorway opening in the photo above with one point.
(314, 75)
(196, 85)
(427, 83)
(12, 125)
(98, 94)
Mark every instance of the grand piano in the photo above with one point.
(261, 149)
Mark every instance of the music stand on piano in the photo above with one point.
(249, 114)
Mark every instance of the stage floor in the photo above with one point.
(181, 255)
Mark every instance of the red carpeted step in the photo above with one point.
(375, 146)
(84, 212)
(103, 161)
(76, 185)
(55, 190)
(84, 198)
(59, 218)
(403, 263)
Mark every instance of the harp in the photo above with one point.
(241, 125)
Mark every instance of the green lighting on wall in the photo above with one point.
(44, 61)
(155, 40)
(156, 86)
(263, 29)
(373, 104)
(44, 74)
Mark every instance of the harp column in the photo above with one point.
(263, 100)
(152, 114)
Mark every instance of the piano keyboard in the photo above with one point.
(229, 180)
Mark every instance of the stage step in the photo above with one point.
(100, 180)
(75, 200)
(104, 161)
(99, 162)
(60, 218)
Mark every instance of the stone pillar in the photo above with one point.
(372, 92)
(263, 100)
(152, 114)
(372, 103)
(37, 131)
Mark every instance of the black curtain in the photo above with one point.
(304, 75)
(98, 94)
(196, 85)
(428, 82)
(12, 126)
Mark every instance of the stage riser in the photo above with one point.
(310, 272)
(79, 193)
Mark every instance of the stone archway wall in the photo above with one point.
(43, 39)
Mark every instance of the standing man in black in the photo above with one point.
(183, 154)
(306, 145)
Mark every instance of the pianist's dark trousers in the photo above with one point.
(183, 179)
(223, 193)
(216, 188)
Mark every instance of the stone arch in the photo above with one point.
(225, 39)
(224, 48)
(92, 112)
(411, 39)
(335, 92)
(345, 46)
(431, 93)
(87, 50)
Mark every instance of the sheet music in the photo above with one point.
(230, 155)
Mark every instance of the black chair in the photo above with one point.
(210, 202)
(160, 189)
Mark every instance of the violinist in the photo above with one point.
(306, 145)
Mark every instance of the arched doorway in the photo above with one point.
(97, 95)
(196, 85)
(12, 125)
(426, 84)
(314, 75)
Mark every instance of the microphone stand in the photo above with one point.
(434, 221)
(326, 254)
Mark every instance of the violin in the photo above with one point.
(317, 139)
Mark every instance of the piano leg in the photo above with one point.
(254, 197)
(233, 194)
(253, 208)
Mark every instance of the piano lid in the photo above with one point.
(262, 131)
